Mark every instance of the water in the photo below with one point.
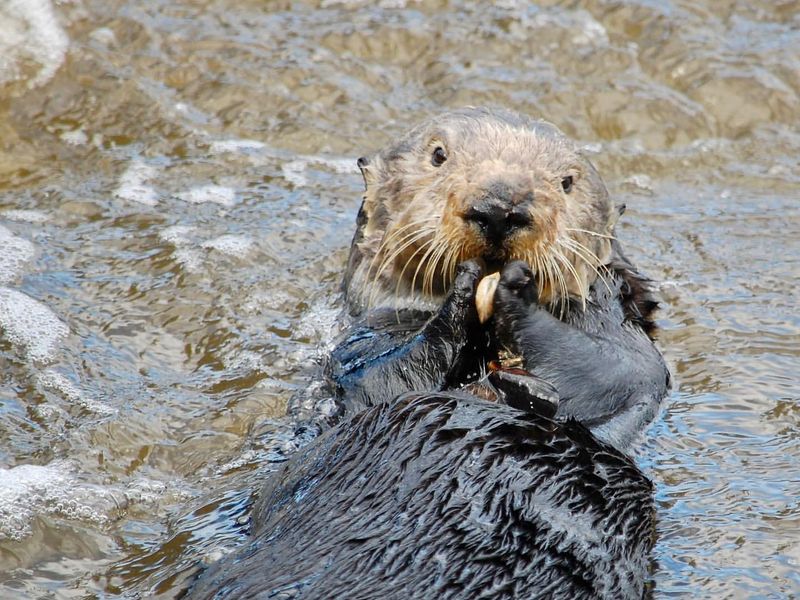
(177, 194)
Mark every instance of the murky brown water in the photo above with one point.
(178, 191)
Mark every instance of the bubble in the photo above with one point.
(190, 259)
(29, 30)
(25, 216)
(30, 325)
(641, 181)
(54, 381)
(222, 146)
(294, 170)
(133, 184)
(244, 359)
(273, 298)
(17, 252)
(590, 32)
(145, 491)
(178, 235)
(104, 36)
(320, 322)
(235, 245)
(27, 490)
(218, 194)
(76, 137)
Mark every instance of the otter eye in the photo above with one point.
(566, 184)
(438, 157)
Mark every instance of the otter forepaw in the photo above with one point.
(458, 314)
(516, 293)
(462, 296)
(517, 285)
(467, 275)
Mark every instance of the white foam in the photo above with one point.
(51, 414)
(294, 170)
(190, 258)
(16, 253)
(54, 489)
(589, 31)
(178, 235)
(395, 4)
(640, 180)
(133, 184)
(710, 144)
(244, 359)
(145, 491)
(338, 165)
(30, 490)
(221, 146)
(320, 322)
(30, 325)
(30, 31)
(25, 491)
(76, 137)
(218, 194)
(104, 36)
(55, 381)
(235, 245)
(25, 216)
(248, 456)
(592, 148)
(272, 298)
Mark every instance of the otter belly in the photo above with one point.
(446, 496)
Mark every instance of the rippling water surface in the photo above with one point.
(177, 194)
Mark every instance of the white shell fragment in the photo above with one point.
(484, 296)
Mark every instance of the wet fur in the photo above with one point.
(438, 493)
(435, 496)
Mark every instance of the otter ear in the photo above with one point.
(616, 213)
(367, 171)
(370, 170)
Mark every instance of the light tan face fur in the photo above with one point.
(417, 219)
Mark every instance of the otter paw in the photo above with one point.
(459, 306)
(517, 285)
(467, 275)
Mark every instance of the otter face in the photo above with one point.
(478, 184)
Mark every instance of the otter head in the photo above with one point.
(481, 184)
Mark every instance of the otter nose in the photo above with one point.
(499, 217)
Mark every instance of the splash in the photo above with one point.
(30, 32)
(30, 325)
(133, 184)
(17, 252)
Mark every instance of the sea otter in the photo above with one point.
(453, 470)
(497, 188)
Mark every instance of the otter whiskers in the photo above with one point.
(588, 257)
(405, 237)
(601, 235)
(582, 291)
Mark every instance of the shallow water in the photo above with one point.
(177, 194)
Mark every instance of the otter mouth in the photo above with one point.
(492, 263)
